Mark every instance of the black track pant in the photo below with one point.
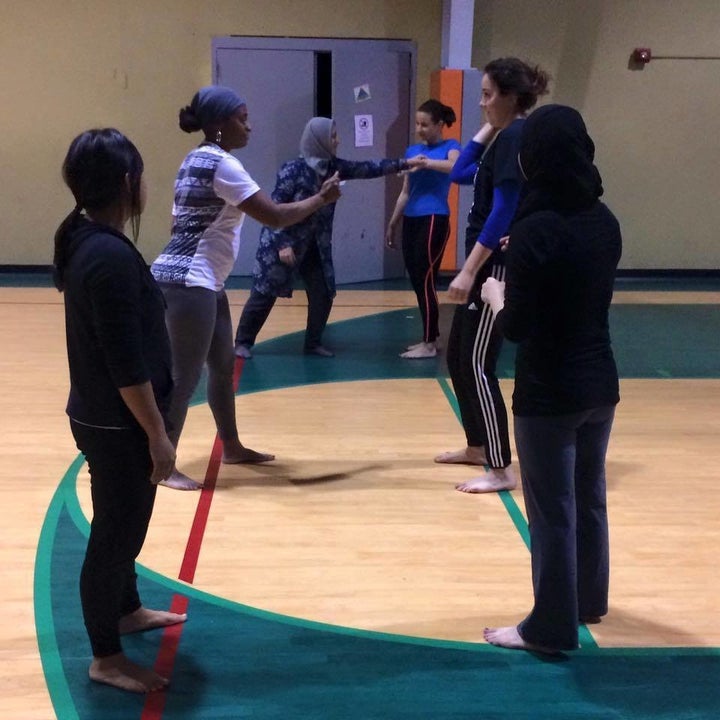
(472, 353)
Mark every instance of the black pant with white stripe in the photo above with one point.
(472, 353)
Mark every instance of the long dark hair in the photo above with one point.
(95, 168)
(438, 112)
(511, 75)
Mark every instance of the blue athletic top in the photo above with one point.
(428, 189)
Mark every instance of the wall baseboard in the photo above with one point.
(31, 269)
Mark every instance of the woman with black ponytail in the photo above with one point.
(423, 207)
(120, 387)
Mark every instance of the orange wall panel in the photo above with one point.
(447, 87)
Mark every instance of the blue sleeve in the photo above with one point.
(465, 166)
(505, 202)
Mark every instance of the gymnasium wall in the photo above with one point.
(657, 130)
(66, 65)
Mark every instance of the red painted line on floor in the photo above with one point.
(197, 530)
(155, 702)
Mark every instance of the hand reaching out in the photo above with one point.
(418, 162)
(330, 190)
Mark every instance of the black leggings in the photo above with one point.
(320, 302)
(423, 242)
(122, 498)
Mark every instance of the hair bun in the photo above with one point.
(188, 121)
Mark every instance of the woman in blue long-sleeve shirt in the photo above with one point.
(510, 88)
(423, 206)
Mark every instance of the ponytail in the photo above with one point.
(62, 239)
(102, 167)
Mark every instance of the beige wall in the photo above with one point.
(657, 131)
(66, 65)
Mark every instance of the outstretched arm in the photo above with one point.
(265, 210)
(365, 169)
(443, 166)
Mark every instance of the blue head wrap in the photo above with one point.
(214, 103)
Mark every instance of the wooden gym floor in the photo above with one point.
(348, 579)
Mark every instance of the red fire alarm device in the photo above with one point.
(642, 55)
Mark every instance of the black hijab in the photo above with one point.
(556, 157)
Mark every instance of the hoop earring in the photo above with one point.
(218, 137)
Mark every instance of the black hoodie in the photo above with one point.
(115, 327)
(563, 253)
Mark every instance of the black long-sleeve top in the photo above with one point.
(115, 327)
(560, 275)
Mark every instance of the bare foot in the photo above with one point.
(467, 456)
(145, 619)
(415, 346)
(422, 350)
(118, 671)
(180, 481)
(240, 454)
(494, 480)
(509, 637)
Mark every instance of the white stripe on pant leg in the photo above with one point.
(493, 449)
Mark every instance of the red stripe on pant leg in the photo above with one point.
(428, 275)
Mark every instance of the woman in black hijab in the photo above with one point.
(563, 253)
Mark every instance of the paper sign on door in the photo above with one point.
(363, 131)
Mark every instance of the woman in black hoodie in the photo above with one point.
(563, 253)
(120, 387)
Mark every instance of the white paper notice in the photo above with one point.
(363, 131)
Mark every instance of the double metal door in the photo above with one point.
(286, 81)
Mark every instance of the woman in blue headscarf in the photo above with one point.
(305, 246)
(213, 192)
